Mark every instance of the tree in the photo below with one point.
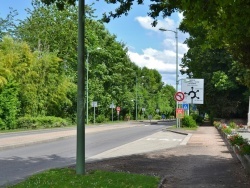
(224, 96)
(42, 87)
(7, 25)
(9, 105)
(226, 20)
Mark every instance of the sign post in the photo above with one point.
(118, 109)
(94, 104)
(179, 96)
(143, 110)
(112, 106)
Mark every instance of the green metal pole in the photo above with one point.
(87, 89)
(80, 150)
(136, 99)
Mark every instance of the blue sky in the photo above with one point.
(148, 46)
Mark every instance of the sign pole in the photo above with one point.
(177, 122)
(179, 96)
(248, 117)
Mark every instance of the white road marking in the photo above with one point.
(165, 139)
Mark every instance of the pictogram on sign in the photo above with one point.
(179, 96)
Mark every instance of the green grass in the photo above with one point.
(67, 178)
(184, 128)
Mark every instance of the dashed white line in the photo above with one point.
(165, 139)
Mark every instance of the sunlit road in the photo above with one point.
(18, 163)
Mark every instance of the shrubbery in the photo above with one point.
(234, 138)
(188, 121)
(41, 122)
(197, 118)
(100, 119)
(157, 117)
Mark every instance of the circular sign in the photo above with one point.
(179, 96)
(118, 108)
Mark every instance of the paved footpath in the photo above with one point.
(205, 161)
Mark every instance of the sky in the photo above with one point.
(147, 46)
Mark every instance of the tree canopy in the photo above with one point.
(41, 66)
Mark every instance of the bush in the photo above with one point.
(227, 130)
(188, 121)
(232, 125)
(236, 140)
(157, 117)
(44, 121)
(100, 119)
(9, 106)
(197, 118)
(245, 149)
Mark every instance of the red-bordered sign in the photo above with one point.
(118, 109)
(179, 96)
(179, 113)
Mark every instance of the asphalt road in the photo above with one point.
(20, 162)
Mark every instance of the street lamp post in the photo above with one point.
(176, 40)
(136, 99)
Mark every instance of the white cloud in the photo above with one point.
(163, 60)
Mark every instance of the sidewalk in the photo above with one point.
(201, 158)
(205, 161)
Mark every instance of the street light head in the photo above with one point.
(162, 29)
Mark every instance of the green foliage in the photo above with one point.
(9, 105)
(198, 119)
(232, 125)
(41, 122)
(44, 67)
(100, 119)
(236, 140)
(245, 149)
(157, 117)
(188, 121)
(227, 130)
(217, 124)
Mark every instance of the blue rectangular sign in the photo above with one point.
(185, 106)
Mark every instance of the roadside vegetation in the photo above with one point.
(66, 178)
(38, 77)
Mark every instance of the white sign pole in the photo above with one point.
(94, 114)
(248, 119)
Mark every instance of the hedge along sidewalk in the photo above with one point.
(231, 140)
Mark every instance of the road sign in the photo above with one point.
(94, 104)
(118, 109)
(185, 106)
(179, 96)
(193, 90)
(179, 113)
(112, 105)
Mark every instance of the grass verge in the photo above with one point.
(67, 178)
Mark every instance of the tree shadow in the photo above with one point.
(25, 167)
